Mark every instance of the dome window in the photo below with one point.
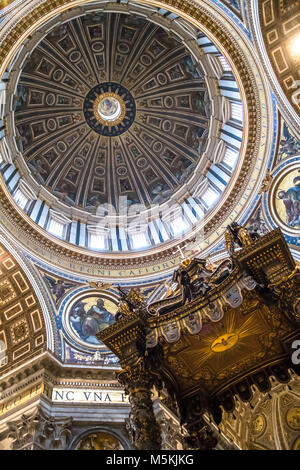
(224, 64)
(20, 199)
(57, 224)
(97, 242)
(237, 111)
(139, 240)
(56, 228)
(230, 158)
(178, 226)
(209, 197)
(3, 356)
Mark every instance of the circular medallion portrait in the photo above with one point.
(99, 441)
(109, 109)
(258, 424)
(88, 314)
(293, 417)
(285, 199)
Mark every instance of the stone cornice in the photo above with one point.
(47, 367)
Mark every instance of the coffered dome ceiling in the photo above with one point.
(111, 105)
(133, 111)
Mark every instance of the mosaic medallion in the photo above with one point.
(109, 109)
(284, 198)
(88, 314)
(293, 417)
(259, 424)
(287, 203)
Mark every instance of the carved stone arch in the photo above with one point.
(96, 429)
(51, 334)
(25, 326)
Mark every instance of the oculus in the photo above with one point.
(109, 109)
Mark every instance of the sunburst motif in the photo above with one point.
(225, 343)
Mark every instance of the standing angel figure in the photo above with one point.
(236, 234)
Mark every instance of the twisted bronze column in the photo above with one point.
(143, 427)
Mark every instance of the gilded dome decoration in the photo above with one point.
(109, 109)
(147, 150)
(173, 177)
(78, 138)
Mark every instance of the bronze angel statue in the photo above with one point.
(235, 233)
